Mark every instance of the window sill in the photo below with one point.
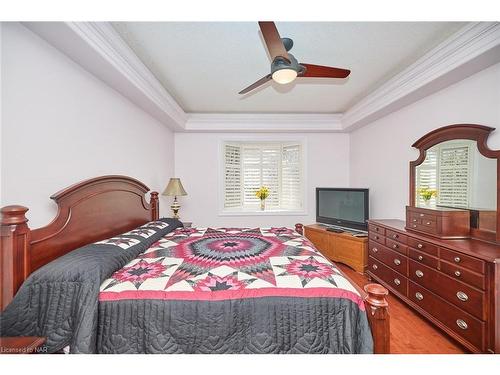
(268, 212)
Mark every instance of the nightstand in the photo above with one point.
(22, 345)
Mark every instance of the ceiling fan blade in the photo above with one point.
(254, 85)
(273, 40)
(324, 71)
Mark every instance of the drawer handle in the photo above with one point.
(428, 223)
(375, 250)
(461, 324)
(395, 246)
(374, 266)
(377, 237)
(420, 257)
(419, 273)
(414, 225)
(419, 296)
(397, 281)
(395, 236)
(421, 215)
(457, 259)
(462, 296)
(377, 229)
(414, 220)
(397, 262)
(458, 273)
(420, 246)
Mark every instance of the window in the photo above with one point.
(446, 168)
(454, 176)
(250, 165)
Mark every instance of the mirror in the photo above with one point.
(455, 174)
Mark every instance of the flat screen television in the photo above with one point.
(344, 207)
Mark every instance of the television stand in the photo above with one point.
(343, 247)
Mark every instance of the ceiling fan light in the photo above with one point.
(284, 76)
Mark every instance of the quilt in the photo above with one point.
(231, 290)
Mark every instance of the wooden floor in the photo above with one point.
(410, 333)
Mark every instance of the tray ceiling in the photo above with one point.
(204, 64)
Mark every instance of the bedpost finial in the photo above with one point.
(13, 215)
(155, 206)
(299, 228)
(376, 295)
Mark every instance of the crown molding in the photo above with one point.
(263, 122)
(99, 49)
(473, 48)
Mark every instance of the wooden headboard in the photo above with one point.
(88, 211)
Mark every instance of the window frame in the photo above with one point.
(222, 211)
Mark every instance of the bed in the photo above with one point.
(140, 284)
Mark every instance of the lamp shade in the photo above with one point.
(174, 188)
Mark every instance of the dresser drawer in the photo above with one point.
(462, 260)
(396, 236)
(462, 323)
(462, 274)
(414, 220)
(423, 258)
(377, 237)
(425, 228)
(393, 259)
(388, 275)
(456, 292)
(396, 246)
(376, 229)
(423, 246)
(422, 215)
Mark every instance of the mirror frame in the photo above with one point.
(474, 132)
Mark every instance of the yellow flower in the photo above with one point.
(262, 193)
(426, 193)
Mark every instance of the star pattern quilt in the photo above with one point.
(231, 290)
(228, 263)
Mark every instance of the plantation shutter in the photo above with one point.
(252, 174)
(427, 175)
(232, 176)
(291, 189)
(454, 176)
(248, 166)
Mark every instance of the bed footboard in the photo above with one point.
(377, 309)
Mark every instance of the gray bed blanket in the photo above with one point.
(60, 300)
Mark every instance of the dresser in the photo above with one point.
(455, 283)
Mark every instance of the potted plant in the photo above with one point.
(262, 194)
(426, 194)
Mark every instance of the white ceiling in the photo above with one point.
(203, 65)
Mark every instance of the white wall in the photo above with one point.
(381, 151)
(197, 163)
(61, 125)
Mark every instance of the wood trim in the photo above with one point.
(89, 211)
(473, 132)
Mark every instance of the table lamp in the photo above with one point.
(174, 189)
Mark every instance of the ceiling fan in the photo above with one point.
(284, 66)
